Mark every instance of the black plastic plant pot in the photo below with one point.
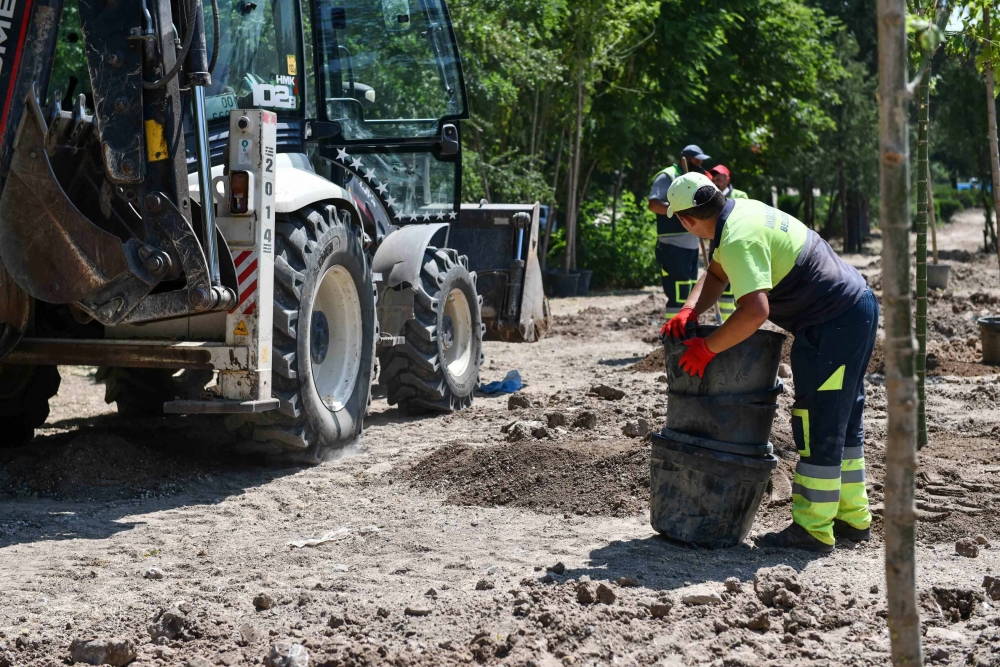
(705, 497)
(583, 284)
(756, 450)
(563, 284)
(751, 366)
(742, 419)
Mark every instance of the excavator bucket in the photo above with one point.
(501, 242)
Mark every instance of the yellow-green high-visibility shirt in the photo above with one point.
(763, 248)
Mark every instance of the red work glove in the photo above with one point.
(675, 326)
(697, 357)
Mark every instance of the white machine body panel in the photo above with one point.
(296, 182)
(252, 148)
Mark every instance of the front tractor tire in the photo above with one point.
(324, 337)
(24, 401)
(437, 368)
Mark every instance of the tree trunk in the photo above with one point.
(901, 394)
(586, 183)
(984, 197)
(570, 217)
(923, 116)
(614, 206)
(866, 219)
(534, 129)
(551, 219)
(828, 227)
(573, 213)
(482, 161)
(845, 228)
(808, 214)
(991, 108)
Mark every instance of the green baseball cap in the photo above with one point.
(684, 190)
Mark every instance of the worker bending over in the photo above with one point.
(676, 249)
(783, 271)
(722, 179)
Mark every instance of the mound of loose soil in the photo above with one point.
(654, 362)
(576, 478)
(94, 466)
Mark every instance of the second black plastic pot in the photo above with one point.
(743, 419)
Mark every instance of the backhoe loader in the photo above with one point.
(237, 209)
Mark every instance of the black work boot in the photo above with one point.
(793, 537)
(845, 531)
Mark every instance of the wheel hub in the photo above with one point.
(335, 337)
(456, 333)
(447, 332)
(319, 337)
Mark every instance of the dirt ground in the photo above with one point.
(492, 536)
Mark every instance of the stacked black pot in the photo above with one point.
(712, 463)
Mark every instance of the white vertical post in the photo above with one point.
(252, 148)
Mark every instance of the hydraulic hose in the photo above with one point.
(181, 56)
(216, 36)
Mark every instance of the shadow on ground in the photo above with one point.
(78, 477)
(659, 564)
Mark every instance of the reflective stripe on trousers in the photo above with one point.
(816, 498)
(828, 365)
(853, 495)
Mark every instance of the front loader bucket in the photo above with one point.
(501, 242)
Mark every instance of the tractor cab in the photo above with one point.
(367, 92)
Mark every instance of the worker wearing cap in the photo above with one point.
(722, 179)
(782, 271)
(720, 176)
(676, 249)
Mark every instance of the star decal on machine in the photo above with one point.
(368, 175)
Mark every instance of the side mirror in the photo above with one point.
(338, 18)
(396, 14)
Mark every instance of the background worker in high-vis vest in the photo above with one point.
(783, 271)
(722, 179)
(676, 249)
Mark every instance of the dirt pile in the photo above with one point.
(645, 318)
(572, 478)
(651, 363)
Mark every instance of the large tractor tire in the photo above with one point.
(141, 392)
(437, 368)
(24, 401)
(324, 337)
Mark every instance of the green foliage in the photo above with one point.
(70, 60)
(781, 91)
(790, 204)
(624, 258)
(945, 208)
(958, 117)
(967, 199)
